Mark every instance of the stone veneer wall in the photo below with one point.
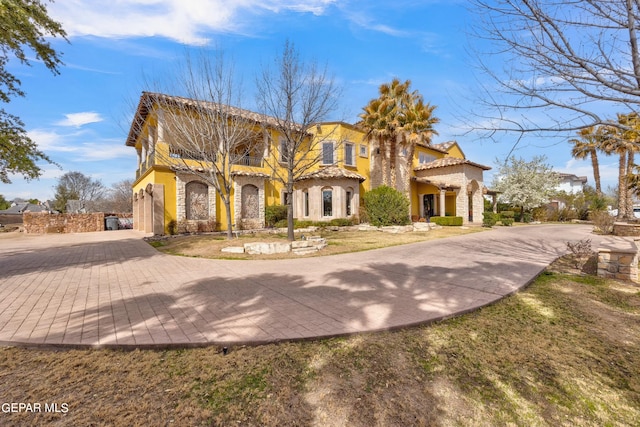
(618, 261)
(182, 179)
(248, 223)
(43, 222)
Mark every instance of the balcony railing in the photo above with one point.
(248, 161)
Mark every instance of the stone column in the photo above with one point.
(442, 204)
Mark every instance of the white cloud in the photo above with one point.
(80, 119)
(185, 21)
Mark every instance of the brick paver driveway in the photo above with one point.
(113, 289)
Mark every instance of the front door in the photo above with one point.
(428, 204)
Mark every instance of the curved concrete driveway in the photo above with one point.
(112, 289)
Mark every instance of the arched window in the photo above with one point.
(197, 200)
(349, 202)
(305, 194)
(327, 202)
(250, 201)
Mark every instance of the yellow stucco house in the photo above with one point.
(440, 180)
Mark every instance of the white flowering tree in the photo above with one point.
(525, 184)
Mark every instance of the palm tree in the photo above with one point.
(397, 117)
(418, 127)
(615, 143)
(587, 145)
(631, 135)
(376, 120)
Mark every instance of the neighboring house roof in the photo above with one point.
(572, 177)
(449, 161)
(148, 99)
(333, 172)
(19, 208)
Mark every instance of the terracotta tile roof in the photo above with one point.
(333, 172)
(449, 161)
(149, 99)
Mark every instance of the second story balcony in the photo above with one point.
(254, 161)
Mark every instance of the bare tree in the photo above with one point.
(297, 95)
(208, 134)
(120, 198)
(563, 65)
(78, 186)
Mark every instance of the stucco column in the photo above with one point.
(441, 205)
(135, 211)
(158, 209)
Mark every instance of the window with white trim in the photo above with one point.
(363, 150)
(349, 154)
(327, 153)
(425, 158)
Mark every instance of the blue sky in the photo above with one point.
(80, 118)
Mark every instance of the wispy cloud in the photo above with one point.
(186, 21)
(79, 146)
(80, 119)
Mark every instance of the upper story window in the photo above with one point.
(284, 151)
(327, 153)
(425, 158)
(349, 154)
(363, 150)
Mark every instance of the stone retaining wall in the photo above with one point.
(43, 222)
(618, 260)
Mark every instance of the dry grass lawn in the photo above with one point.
(563, 352)
(208, 246)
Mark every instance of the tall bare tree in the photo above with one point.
(207, 132)
(297, 95)
(570, 61)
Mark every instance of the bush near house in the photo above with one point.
(489, 219)
(507, 218)
(274, 214)
(386, 206)
(447, 220)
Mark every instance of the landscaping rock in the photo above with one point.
(233, 250)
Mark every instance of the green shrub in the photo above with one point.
(341, 222)
(274, 214)
(507, 221)
(447, 220)
(386, 206)
(281, 224)
(507, 214)
(489, 219)
(172, 227)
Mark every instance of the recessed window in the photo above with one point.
(349, 154)
(327, 153)
(306, 203)
(348, 207)
(363, 150)
(284, 151)
(327, 202)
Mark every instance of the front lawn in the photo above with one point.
(208, 245)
